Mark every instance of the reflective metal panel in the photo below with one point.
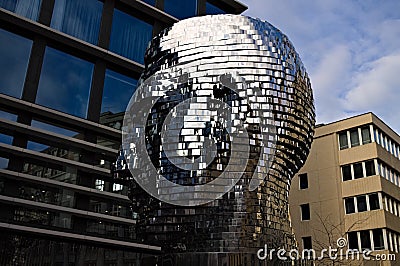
(269, 92)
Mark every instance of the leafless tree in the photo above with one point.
(331, 232)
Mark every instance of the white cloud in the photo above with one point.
(377, 89)
(329, 81)
(350, 49)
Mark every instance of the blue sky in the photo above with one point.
(351, 50)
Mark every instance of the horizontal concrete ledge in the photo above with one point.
(82, 238)
(57, 208)
(52, 160)
(56, 139)
(55, 183)
(72, 122)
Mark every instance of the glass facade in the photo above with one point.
(80, 19)
(26, 8)
(117, 91)
(22, 249)
(64, 83)
(52, 128)
(213, 10)
(181, 9)
(14, 57)
(129, 36)
(150, 2)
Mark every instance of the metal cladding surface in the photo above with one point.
(253, 68)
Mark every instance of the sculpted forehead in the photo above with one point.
(253, 48)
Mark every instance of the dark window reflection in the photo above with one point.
(118, 90)
(353, 240)
(365, 240)
(64, 83)
(6, 139)
(213, 10)
(8, 116)
(150, 2)
(379, 244)
(26, 8)
(14, 57)
(38, 147)
(358, 170)
(374, 202)
(78, 18)
(3, 163)
(361, 203)
(51, 128)
(129, 36)
(62, 174)
(350, 207)
(181, 9)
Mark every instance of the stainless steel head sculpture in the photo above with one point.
(223, 118)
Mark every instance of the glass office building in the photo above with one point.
(68, 68)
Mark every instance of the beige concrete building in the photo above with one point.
(350, 188)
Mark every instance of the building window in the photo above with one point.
(303, 180)
(6, 139)
(349, 204)
(361, 203)
(117, 187)
(305, 212)
(366, 135)
(130, 36)
(307, 242)
(354, 138)
(373, 201)
(343, 141)
(391, 205)
(64, 83)
(387, 143)
(80, 19)
(358, 170)
(150, 2)
(346, 172)
(14, 57)
(26, 8)
(378, 239)
(352, 240)
(213, 10)
(99, 184)
(370, 168)
(365, 240)
(388, 173)
(181, 9)
(117, 92)
(97, 207)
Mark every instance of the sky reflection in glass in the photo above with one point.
(213, 10)
(14, 57)
(117, 92)
(80, 19)
(181, 9)
(64, 83)
(26, 8)
(129, 36)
